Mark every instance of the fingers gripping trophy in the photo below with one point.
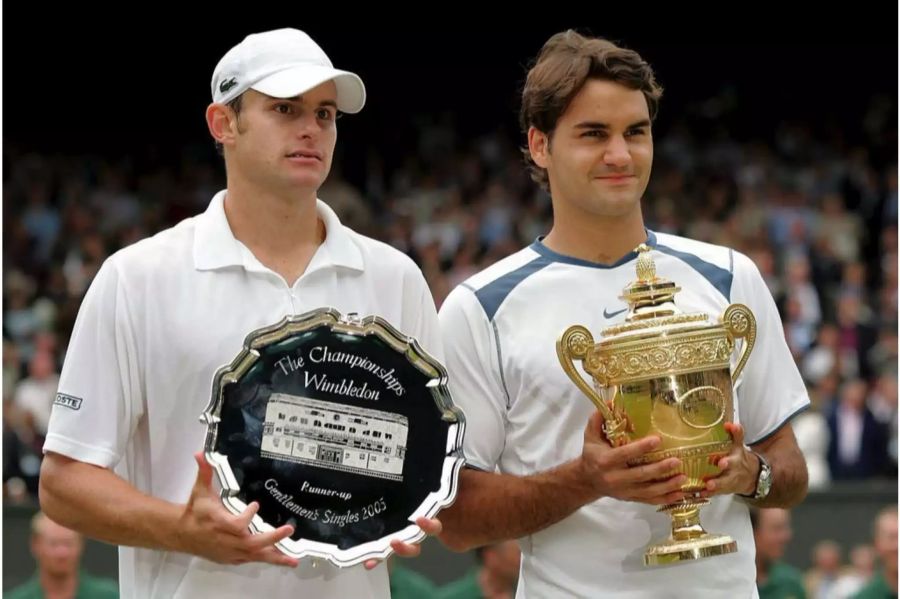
(666, 373)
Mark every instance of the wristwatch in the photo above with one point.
(763, 481)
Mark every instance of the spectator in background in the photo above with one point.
(41, 221)
(57, 551)
(858, 445)
(772, 532)
(843, 229)
(12, 368)
(408, 584)
(883, 355)
(495, 578)
(21, 456)
(800, 288)
(857, 335)
(883, 403)
(884, 583)
(858, 574)
(821, 578)
(813, 437)
(822, 358)
(863, 560)
(34, 395)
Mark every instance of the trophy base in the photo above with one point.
(673, 551)
(688, 540)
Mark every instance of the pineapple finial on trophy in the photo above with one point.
(648, 296)
(646, 268)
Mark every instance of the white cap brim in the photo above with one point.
(294, 81)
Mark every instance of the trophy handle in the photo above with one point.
(741, 324)
(575, 344)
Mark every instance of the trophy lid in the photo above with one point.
(657, 339)
(651, 302)
(650, 295)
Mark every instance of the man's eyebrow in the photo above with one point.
(299, 99)
(598, 125)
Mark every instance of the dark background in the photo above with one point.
(123, 81)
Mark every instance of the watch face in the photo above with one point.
(764, 483)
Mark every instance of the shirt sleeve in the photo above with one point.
(770, 390)
(100, 401)
(475, 381)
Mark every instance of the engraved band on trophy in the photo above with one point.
(666, 373)
(342, 427)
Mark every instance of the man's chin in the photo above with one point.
(305, 182)
(615, 208)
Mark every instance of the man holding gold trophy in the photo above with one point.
(627, 392)
(164, 319)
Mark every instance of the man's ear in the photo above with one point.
(222, 123)
(539, 146)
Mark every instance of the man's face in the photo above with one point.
(56, 549)
(504, 559)
(827, 557)
(600, 155)
(286, 144)
(773, 533)
(886, 538)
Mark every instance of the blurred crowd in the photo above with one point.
(814, 206)
(869, 571)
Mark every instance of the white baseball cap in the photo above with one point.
(283, 63)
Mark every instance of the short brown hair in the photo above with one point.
(565, 63)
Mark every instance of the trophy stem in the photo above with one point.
(689, 541)
(686, 521)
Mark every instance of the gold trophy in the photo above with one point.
(666, 373)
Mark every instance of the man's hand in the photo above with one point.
(606, 469)
(740, 468)
(431, 526)
(210, 531)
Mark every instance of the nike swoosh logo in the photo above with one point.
(607, 314)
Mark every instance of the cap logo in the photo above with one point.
(227, 84)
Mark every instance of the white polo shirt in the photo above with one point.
(524, 415)
(160, 318)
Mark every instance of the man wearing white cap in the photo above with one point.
(163, 314)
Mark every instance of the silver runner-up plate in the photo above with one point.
(340, 426)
